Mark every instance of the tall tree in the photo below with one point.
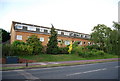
(100, 35)
(5, 35)
(108, 39)
(52, 47)
(116, 26)
(35, 43)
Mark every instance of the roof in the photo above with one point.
(46, 27)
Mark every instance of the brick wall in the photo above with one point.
(26, 34)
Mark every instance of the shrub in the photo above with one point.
(93, 47)
(77, 49)
(6, 50)
(100, 53)
(24, 50)
(63, 50)
(15, 43)
(35, 44)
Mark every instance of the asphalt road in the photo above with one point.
(107, 70)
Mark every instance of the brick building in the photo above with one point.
(21, 31)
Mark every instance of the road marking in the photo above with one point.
(86, 72)
(27, 75)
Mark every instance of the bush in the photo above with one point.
(100, 53)
(92, 53)
(93, 47)
(15, 43)
(24, 50)
(63, 50)
(77, 50)
(35, 44)
(6, 50)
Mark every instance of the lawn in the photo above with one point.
(63, 57)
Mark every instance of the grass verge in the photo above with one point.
(63, 57)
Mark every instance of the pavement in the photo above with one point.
(62, 62)
(106, 70)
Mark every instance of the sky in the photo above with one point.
(73, 15)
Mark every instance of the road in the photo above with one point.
(107, 70)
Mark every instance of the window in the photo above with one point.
(59, 40)
(81, 35)
(19, 27)
(84, 43)
(31, 28)
(19, 37)
(80, 42)
(66, 33)
(41, 39)
(67, 42)
(89, 37)
(41, 30)
(48, 30)
(77, 35)
(89, 43)
(59, 32)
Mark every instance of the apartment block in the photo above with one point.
(22, 31)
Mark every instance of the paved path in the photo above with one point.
(62, 62)
(107, 70)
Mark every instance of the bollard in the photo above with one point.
(26, 63)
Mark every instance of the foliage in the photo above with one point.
(63, 50)
(35, 44)
(75, 44)
(52, 47)
(11, 50)
(32, 47)
(5, 50)
(90, 47)
(87, 54)
(77, 49)
(116, 40)
(106, 38)
(5, 35)
(15, 43)
(100, 34)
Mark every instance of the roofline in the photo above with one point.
(46, 27)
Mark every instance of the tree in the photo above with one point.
(100, 35)
(116, 39)
(35, 43)
(5, 35)
(108, 39)
(52, 47)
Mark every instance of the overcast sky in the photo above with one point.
(74, 15)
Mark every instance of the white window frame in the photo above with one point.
(19, 37)
(59, 32)
(89, 43)
(41, 29)
(48, 30)
(18, 26)
(31, 28)
(66, 33)
(42, 39)
(80, 42)
(67, 42)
